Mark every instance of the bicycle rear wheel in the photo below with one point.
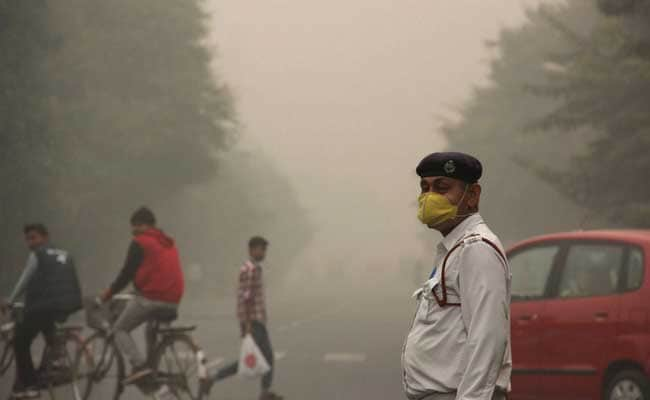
(176, 364)
(98, 376)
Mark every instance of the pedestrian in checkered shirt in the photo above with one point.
(251, 312)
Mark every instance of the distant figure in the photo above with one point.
(251, 312)
(52, 292)
(459, 344)
(153, 266)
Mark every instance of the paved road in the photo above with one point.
(329, 349)
(345, 350)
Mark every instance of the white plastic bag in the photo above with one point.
(252, 363)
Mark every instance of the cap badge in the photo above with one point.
(449, 167)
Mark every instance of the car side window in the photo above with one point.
(591, 269)
(531, 268)
(635, 269)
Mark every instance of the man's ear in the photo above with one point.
(474, 197)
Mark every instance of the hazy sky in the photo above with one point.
(344, 95)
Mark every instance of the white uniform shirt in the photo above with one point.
(463, 349)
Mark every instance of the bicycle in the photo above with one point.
(6, 339)
(55, 372)
(175, 358)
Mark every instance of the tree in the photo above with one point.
(622, 7)
(494, 123)
(106, 106)
(24, 41)
(568, 104)
(605, 87)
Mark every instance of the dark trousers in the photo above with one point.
(32, 324)
(261, 337)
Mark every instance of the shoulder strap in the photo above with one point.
(496, 248)
(442, 302)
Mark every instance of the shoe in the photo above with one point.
(137, 375)
(27, 393)
(270, 396)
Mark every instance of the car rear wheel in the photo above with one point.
(628, 385)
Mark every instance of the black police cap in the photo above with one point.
(455, 165)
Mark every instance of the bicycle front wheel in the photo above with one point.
(98, 370)
(176, 363)
(6, 357)
(59, 380)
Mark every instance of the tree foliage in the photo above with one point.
(493, 125)
(605, 87)
(564, 118)
(105, 106)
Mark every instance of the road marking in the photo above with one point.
(315, 317)
(345, 357)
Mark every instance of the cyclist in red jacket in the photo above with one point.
(153, 266)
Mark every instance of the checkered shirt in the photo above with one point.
(250, 296)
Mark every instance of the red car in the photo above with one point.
(581, 316)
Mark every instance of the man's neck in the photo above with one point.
(457, 221)
(39, 247)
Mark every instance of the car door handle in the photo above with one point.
(601, 316)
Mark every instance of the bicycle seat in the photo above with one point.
(165, 316)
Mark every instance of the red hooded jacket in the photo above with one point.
(160, 276)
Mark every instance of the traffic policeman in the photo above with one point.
(458, 347)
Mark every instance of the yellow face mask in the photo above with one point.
(435, 209)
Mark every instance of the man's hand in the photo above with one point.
(245, 328)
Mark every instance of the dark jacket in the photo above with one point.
(55, 285)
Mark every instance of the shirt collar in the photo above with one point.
(460, 231)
